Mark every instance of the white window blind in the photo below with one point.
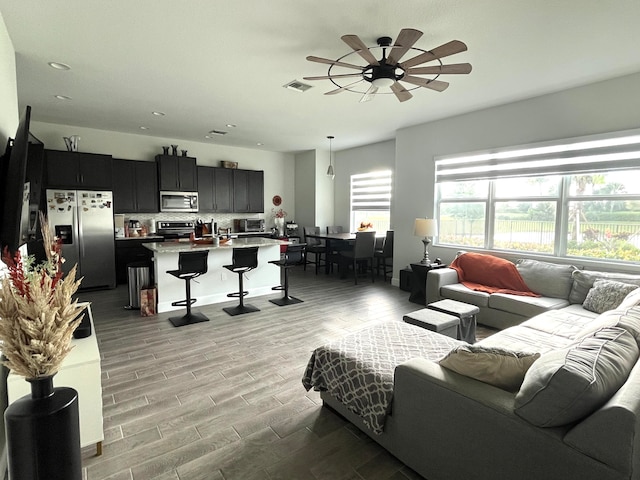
(371, 191)
(607, 152)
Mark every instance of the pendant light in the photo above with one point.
(330, 172)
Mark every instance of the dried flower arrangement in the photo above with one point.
(37, 313)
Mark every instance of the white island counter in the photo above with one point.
(213, 286)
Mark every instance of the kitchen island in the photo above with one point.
(213, 286)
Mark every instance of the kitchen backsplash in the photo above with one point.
(224, 220)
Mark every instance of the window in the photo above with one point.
(577, 198)
(371, 200)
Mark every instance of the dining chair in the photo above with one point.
(382, 255)
(333, 257)
(316, 247)
(363, 251)
(335, 229)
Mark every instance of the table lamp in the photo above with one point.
(425, 227)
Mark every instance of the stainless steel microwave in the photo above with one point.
(248, 225)
(178, 201)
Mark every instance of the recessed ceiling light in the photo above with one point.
(259, 144)
(158, 114)
(207, 136)
(231, 125)
(62, 97)
(144, 128)
(59, 66)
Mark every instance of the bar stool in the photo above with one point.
(244, 260)
(292, 257)
(190, 265)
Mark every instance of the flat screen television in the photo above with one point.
(21, 185)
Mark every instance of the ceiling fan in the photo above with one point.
(389, 71)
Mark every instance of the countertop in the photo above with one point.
(148, 237)
(184, 246)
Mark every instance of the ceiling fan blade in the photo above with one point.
(450, 48)
(422, 82)
(369, 94)
(401, 93)
(444, 69)
(342, 89)
(406, 38)
(311, 58)
(360, 48)
(329, 77)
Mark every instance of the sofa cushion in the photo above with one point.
(631, 300)
(547, 279)
(566, 385)
(497, 366)
(607, 295)
(459, 292)
(629, 319)
(583, 281)
(525, 306)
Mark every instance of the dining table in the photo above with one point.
(335, 240)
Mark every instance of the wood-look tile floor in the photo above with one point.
(224, 399)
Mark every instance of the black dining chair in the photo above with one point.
(316, 247)
(292, 257)
(244, 260)
(363, 251)
(384, 254)
(190, 265)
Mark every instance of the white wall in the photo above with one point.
(325, 188)
(278, 167)
(9, 118)
(305, 181)
(367, 159)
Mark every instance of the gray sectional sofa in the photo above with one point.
(572, 412)
(575, 417)
(562, 287)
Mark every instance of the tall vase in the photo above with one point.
(43, 433)
(279, 222)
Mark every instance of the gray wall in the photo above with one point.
(607, 106)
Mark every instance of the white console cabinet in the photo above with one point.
(81, 371)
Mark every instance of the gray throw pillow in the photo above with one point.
(497, 366)
(606, 295)
(583, 281)
(547, 279)
(566, 385)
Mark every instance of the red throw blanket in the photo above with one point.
(486, 273)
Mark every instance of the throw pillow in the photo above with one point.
(566, 385)
(583, 281)
(500, 367)
(606, 295)
(547, 279)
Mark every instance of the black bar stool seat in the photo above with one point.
(190, 265)
(292, 257)
(244, 260)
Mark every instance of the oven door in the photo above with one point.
(178, 201)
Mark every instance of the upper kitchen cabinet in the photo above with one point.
(78, 170)
(135, 186)
(177, 174)
(215, 190)
(248, 191)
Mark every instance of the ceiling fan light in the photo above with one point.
(383, 82)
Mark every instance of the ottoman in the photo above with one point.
(438, 322)
(465, 312)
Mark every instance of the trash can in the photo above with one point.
(138, 277)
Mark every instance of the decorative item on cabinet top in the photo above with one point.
(226, 164)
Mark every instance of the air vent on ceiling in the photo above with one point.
(297, 86)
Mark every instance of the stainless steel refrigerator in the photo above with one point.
(83, 221)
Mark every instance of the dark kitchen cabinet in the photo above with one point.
(135, 186)
(177, 174)
(215, 190)
(78, 170)
(248, 191)
(129, 251)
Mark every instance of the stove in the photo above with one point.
(175, 229)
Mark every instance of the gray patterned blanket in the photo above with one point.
(358, 369)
